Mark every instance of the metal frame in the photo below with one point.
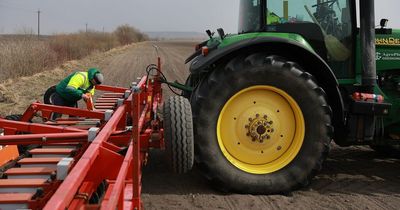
(101, 160)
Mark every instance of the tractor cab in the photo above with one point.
(328, 26)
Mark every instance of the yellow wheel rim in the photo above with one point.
(260, 129)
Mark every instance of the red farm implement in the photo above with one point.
(94, 159)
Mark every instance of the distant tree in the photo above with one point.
(127, 34)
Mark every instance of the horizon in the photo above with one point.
(69, 16)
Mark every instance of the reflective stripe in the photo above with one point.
(84, 76)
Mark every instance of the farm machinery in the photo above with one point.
(268, 101)
(93, 160)
(257, 113)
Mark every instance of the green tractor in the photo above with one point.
(268, 101)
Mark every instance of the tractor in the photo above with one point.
(267, 102)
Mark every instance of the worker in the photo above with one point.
(74, 88)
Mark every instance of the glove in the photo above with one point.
(85, 97)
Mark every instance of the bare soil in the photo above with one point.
(352, 177)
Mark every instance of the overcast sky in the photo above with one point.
(59, 16)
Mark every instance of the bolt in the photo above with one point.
(251, 120)
(261, 141)
(257, 115)
(265, 116)
(246, 126)
(271, 122)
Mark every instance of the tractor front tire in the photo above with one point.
(262, 125)
(178, 134)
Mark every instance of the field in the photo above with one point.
(352, 178)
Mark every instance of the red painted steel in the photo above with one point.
(111, 88)
(100, 161)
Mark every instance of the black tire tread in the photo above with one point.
(200, 104)
(178, 130)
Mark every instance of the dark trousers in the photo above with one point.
(59, 101)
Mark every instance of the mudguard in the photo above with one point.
(289, 49)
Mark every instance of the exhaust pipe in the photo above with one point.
(367, 34)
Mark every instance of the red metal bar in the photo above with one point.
(68, 111)
(104, 104)
(107, 100)
(136, 166)
(43, 138)
(35, 127)
(119, 186)
(111, 88)
(66, 192)
(104, 107)
(111, 97)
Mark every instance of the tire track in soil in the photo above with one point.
(351, 178)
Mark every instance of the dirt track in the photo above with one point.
(352, 178)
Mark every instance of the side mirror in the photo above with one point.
(384, 23)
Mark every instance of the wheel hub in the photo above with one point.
(259, 128)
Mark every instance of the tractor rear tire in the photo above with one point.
(49, 94)
(262, 125)
(178, 134)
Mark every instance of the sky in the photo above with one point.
(60, 16)
(147, 15)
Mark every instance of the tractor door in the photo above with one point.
(328, 25)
